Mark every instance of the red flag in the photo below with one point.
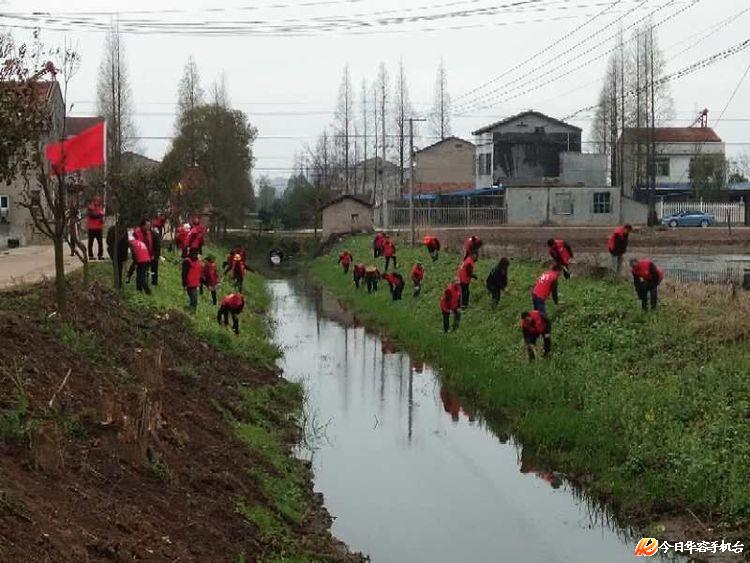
(85, 150)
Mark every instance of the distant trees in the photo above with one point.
(708, 174)
(190, 95)
(402, 111)
(440, 117)
(344, 125)
(739, 169)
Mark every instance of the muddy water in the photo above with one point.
(409, 473)
(713, 269)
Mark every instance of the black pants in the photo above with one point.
(239, 282)
(417, 289)
(447, 320)
(372, 285)
(346, 268)
(388, 261)
(376, 252)
(357, 279)
(434, 254)
(141, 278)
(465, 295)
(646, 290)
(222, 317)
(396, 292)
(95, 235)
(193, 298)
(531, 346)
(155, 271)
(495, 293)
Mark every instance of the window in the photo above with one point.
(4, 208)
(484, 164)
(563, 204)
(539, 130)
(662, 166)
(602, 202)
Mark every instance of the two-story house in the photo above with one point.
(444, 167)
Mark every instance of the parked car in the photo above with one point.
(689, 219)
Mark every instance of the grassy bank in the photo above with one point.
(651, 411)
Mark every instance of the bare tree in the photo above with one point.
(344, 124)
(440, 118)
(190, 95)
(365, 134)
(402, 111)
(382, 86)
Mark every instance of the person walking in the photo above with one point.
(497, 280)
(417, 275)
(546, 285)
(95, 226)
(372, 275)
(465, 275)
(192, 271)
(377, 244)
(646, 278)
(142, 260)
(618, 246)
(561, 254)
(450, 303)
(237, 267)
(533, 325)
(196, 236)
(210, 277)
(389, 251)
(433, 246)
(345, 259)
(232, 304)
(142, 233)
(357, 274)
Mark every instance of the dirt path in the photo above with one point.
(31, 264)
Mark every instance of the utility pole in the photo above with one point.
(411, 178)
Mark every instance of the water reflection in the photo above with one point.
(410, 472)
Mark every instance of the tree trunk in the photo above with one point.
(60, 276)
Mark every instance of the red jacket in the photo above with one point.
(472, 244)
(94, 217)
(345, 258)
(394, 280)
(560, 252)
(417, 274)
(544, 284)
(466, 271)
(450, 300)
(141, 255)
(432, 243)
(359, 270)
(237, 267)
(647, 271)
(535, 324)
(192, 271)
(378, 242)
(146, 237)
(618, 242)
(389, 249)
(180, 237)
(235, 302)
(210, 275)
(195, 236)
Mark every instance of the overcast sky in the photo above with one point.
(288, 84)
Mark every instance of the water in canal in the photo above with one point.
(408, 473)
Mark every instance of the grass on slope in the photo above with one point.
(653, 410)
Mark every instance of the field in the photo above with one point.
(650, 412)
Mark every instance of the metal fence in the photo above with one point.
(734, 211)
(455, 216)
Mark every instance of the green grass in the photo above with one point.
(653, 408)
(16, 423)
(252, 344)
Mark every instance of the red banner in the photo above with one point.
(85, 150)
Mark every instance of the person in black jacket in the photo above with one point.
(497, 281)
(122, 248)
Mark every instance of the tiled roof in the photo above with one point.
(674, 135)
(74, 125)
(521, 115)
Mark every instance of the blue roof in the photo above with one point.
(490, 190)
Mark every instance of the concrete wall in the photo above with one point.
(346, 216)
(539, 205)
(586, 169)
(449, 162)
(634, 212)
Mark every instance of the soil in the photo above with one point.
(135, 460)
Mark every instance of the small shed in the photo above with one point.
(347, 214)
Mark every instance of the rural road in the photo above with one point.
(31, 264)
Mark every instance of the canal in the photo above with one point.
(408, 472)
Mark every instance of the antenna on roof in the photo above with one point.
(702, 120)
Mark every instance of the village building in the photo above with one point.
(377, 179)
(444, 167)
(347, 214)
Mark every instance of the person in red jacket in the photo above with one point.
(618, 245)
(389, 251)
(465, 275)
(396, 284)
(142, 261)
(561, 254)
(533, 325)
(142, 233)
(372, 276)
(377, 244)
(196, 236)
(192, 272)
(95, 226)
(358, 274)
(180, 238)
(433, 246)
(159, 223)
(417, 275)
(472, 246)
(237, 267)
(450, 302)
(210, 277)
(345, 259)
(646, 277)
(232, 304)
(546, 285)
